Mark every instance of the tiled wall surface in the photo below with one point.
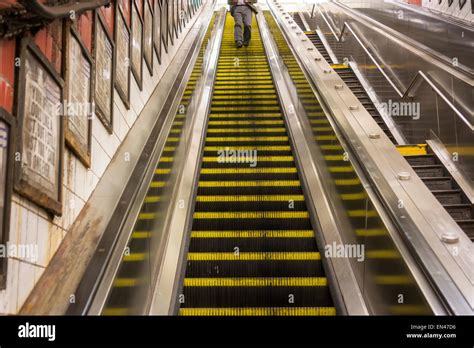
(31, 225)
(466, 13)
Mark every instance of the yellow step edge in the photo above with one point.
(252, 215)
(232, 282)
(259, 311)
(245, 123)
(266, 183)
(250, 198)
(134, 257)
(382, 254)
(115, 311)
(413, 150)
(226, 139)
(394, 280)
(163, 171)
(253, 234)
(345, 169)
(240, 148)
(375, 232)
(157, 184)
(354, 196)
(258, 158)
(141, 234)
(246, 130)
(255, 256)
(347, 182)
(125, 282)
(339, 66)
(152, 199)
(363, 213)
(146, 216)
(282, 170)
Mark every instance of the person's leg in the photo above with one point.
(238, 26)
(247, 25)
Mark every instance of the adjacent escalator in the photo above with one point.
(252, 248)
(422, 159)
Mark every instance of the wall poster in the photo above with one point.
(148, 35)
(38, 172)
(137, 44)
(78, 109)
(122, 66)
(104, 77)
(157, 30)
(7, 141)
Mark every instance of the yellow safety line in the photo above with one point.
(252, 215)
(264, 183)
(157, 184)
(303, 281)
(253, 234)
(353, 196)
(258, 158)
(246, 130)
(413, 150)
(259, 311)
(135, 257)
(250, 198)
(347, 182)
(152, 199)
(363, 213)
(240, 148)
(371, 232)
(141, 234)
(228, 139)
(115, 311)
(284, 170)
(394, 280)
(146, 216)
(382, 254)
(255, 256)
(125, 282)
(162, 171)
(244, 123)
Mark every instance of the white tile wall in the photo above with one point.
(33, 225)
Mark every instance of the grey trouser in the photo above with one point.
(242, 15)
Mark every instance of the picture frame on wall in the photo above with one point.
(40, 131)
(157, 30)
(79, 96)
(148, 17)
(122, 54)
(104, 57)
(164, 24)
(137, 44)
(7, 146)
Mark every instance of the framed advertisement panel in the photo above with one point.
(104, 72)
(148, 35)
(122, 54)
(137, 44)
(7, 145)
(78, 108)
(164, 24)
(40, 135)
(157, 29)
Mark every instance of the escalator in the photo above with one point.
(127, 289)
(252, 248)
(422, 159)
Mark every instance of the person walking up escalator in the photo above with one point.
(242, 10)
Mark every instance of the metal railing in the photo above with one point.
(420, 74)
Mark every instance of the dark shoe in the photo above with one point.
(239, 44)
(246, 43)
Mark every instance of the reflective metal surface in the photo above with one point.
(145, 274)
(453, 40)
(415, 211)
(351, 217)
(401, 63)
(182, 201)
